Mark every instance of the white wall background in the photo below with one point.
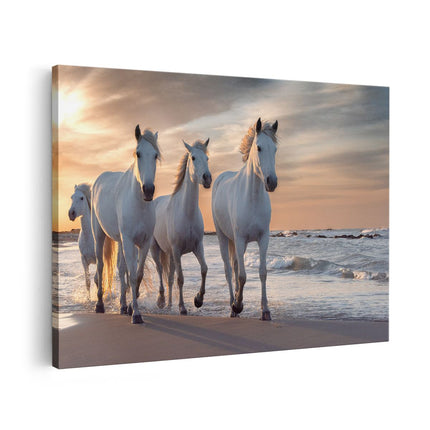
(370, 386)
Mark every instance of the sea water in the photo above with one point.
(311, 275)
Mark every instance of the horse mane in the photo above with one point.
(182, 167)
(149, 136)
(85, 189)
(247, 140)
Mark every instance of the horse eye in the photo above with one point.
(193, 158)
(138, 154)
(259, 148)
(82, 198)
(156, 156)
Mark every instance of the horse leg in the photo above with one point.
(122, 270)
(223, 246)
(96, 279)
(263, 244)
(171, 278)
(99, 239)
(233, 258)
(178, 268)
(87, 274)
(130, 254)
(200, 255)
(141, 257)
(155, 252)
(142, 254)
(237, 305)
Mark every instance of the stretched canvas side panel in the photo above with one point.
(55, 274)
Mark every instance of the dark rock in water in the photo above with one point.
(351, 236)
(280, 234)
(308, 235)
(322, 236)
(347, 236)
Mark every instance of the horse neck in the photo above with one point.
(86, 221)
(188, 195)
(254, 186)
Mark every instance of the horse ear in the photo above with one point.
(188, 147)
(207, 143)
(258, 125)
(275, 126)
(156, 135)
(76, 187)
(137, 132)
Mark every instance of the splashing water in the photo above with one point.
(309, 276)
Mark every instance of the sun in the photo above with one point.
(69, 106)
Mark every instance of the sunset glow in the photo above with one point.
(332, 161)
(69, 105)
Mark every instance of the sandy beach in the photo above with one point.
(102, 339)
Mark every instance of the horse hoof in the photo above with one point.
(234, 314)
(237, 308)
(198, 301)
(124, 310)
(265, 316)
(100, 308)
(161, 302)
(130, 310)
(183, 312)
(137, 319)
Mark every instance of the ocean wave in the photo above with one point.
(296, 263)
(374, 276)
(372, 231)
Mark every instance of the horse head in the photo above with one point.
(263, 152)
(80, 201)
(146, 155)
(198, 163)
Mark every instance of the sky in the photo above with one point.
(333, 155)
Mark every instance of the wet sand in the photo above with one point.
(101, 339)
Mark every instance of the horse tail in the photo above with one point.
(110, 251)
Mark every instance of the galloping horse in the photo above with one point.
(241, 210)
(81, 207)
(179, 224)
(122, 211)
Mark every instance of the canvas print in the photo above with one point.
(198, 215)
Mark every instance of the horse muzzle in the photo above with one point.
(271, 183)
(207, 180)
(148, 192)
(72, 215)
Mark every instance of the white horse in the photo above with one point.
(122, 211)
(179, 224)
(241, 210)
(81, 207)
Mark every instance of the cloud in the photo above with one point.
(333, 138)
